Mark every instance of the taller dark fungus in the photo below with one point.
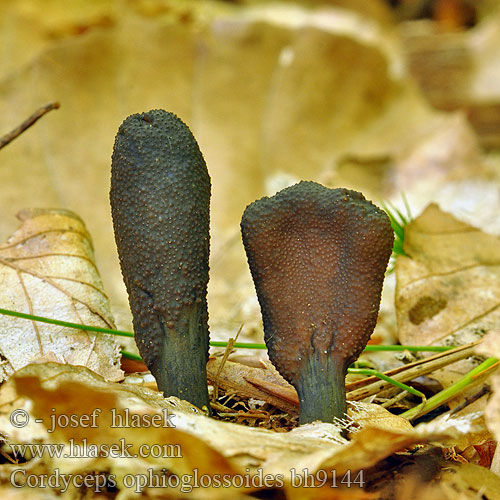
(317, 258)
(160, 194)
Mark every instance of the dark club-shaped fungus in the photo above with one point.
(317, 258)
(160, 194)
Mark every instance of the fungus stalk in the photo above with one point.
(160, 194)
(317, 258)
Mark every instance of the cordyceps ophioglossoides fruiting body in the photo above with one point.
(318, 258)
(160, 195)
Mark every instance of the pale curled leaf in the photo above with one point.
(375, 416)
(209, 445)
(51, 389)
(47, 268)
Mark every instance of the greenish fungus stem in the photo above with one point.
(321, 390)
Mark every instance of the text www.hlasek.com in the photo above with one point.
(84, 449)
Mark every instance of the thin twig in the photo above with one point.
(227, 352)
(478, 395)
(7, 138)
(474, 377)
(363, 388)
(398, 397)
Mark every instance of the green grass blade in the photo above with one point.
(450, 392)
(130, 355)
(213, 343)
(411, 348)
(398, 223)
(67, 324)
(370, 373)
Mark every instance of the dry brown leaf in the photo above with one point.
(478, 481)
(11, 494)
(326, 493)
(490, 346)
(460, 70)
(480, 454)
(47, 268)
(25, 30)
(448, 289)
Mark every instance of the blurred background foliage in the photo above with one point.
(380, 96)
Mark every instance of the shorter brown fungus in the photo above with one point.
(318, 258)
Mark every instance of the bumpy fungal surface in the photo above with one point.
(317, 258)
(160, 194)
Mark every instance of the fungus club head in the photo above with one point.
(318, 258)
(160, 195)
